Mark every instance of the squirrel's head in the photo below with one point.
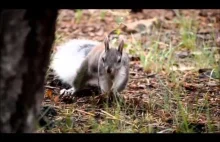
(112, 58)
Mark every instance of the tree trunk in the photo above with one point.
(26, 37)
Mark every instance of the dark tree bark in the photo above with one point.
(26, 37)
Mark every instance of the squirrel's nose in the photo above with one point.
(109, 70)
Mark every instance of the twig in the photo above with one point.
(114, 118)
(146, 76)
(50, 87)
(166, 130)
(108, 114)
(85, 112)
(176, 12)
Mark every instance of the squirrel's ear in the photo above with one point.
(106, 44)
(121, 46)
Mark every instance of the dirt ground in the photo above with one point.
(150, 90)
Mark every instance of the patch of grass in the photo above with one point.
(59, 38)
(205, 57)
(103, 14)
(162, 59)
(157, 59)
(78, 15)
(119, 20)
(187, 29)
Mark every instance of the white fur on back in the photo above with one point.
(67, 59)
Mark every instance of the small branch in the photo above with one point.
(50, 87)
(84, 112)
(114, 118)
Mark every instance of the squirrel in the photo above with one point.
(82, 63)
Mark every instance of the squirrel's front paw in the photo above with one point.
(67, 92)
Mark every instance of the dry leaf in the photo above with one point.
(56, 99)
(141, 25)
(182, 67)
(48, 94)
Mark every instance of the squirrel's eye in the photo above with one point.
(103, 59)
(119, 60)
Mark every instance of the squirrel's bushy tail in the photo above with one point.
(69, 57)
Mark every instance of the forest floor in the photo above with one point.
(174, 74)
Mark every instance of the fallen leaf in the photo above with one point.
(218, 40)
(140, 26)
(182, 67)
(212, 84)
(100, 32)
(182, 54)
(189, 86)
(56, 99)
(48, 94)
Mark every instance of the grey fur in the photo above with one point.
(86, 48)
